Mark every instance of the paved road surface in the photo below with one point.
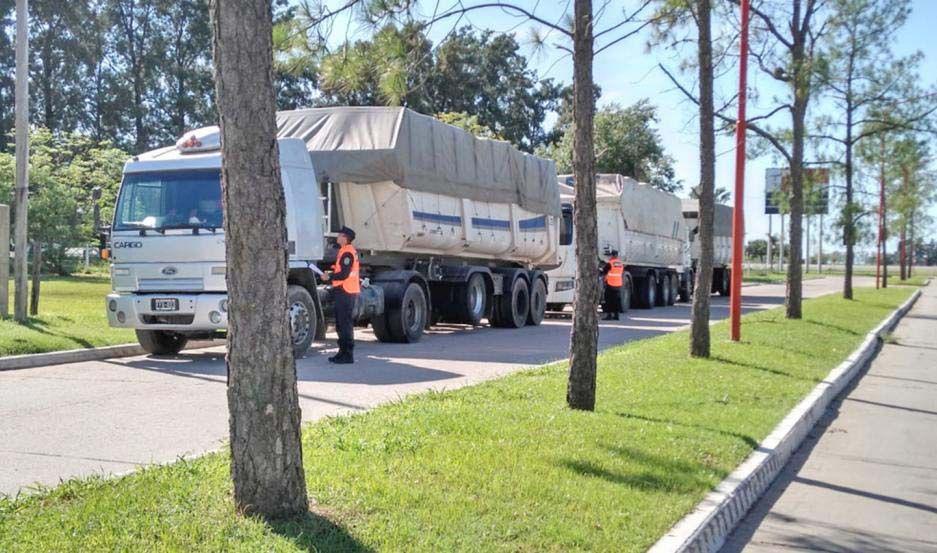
(866, 478)
(111, 416)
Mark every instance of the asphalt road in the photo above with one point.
(111, 416)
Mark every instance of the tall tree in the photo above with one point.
(55, 64)
(185, 99)
(859, 74)
(583, 341)
(134, 37)
(673, 15)
(785, 39)
(7, 19)
(266, 448)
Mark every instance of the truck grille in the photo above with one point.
(167, 319)
(170, 284)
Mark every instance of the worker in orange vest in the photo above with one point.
(346, 285)
(613, 273)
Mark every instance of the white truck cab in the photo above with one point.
(167, 240)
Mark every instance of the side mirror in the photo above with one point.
(104, 234)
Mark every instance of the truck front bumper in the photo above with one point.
(195, 312)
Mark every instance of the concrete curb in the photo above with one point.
(33, 360)
(708, 526)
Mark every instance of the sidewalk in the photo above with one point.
(866, 477)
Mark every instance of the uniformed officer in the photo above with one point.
(346, 285)
(614, 275)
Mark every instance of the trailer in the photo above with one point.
(645, 225)
(449, 227)
(722, 243)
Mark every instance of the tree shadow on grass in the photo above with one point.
(38, 325)
(751, 442)
(656, 473)
(832, 326)
(317, 533)
(777, 372)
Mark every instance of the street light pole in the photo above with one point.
(738, 214)
(21, 196)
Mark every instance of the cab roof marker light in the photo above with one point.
(206, 139)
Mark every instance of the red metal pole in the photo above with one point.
(738, 214)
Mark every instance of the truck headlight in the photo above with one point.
(223, 305)
(564, 285)
(214, 317)
(112, 305)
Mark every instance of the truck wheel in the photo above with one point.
(647, 295)
(161, 342)
(725, 285)
(303, 321)
(513, 307)
(538, 303)
(403, 324)
(474, 300)
(627, 290)
(685, 290)
(663, 293)
(674, 287)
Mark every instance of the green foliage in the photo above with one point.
(468, 123)
(481, 74)
(626, 142)
(502, 466)
(63, 172)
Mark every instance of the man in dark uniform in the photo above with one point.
(346, 285)
(613, 273)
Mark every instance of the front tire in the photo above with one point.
(303, 319)
(161, 342)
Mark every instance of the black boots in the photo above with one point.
(342, 358)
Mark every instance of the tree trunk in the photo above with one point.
(911, 245)
(794, 294)
(699, 327)
(902, 257)
(849, 220)
(580, 393)
(266, 451)
(36, 279)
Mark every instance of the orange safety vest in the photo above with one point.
(614, 276)
(352, 284)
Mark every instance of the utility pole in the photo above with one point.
(21, 197)
(738, 215)
(770, 259)
(4, 261)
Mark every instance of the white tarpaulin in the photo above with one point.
(367, 145)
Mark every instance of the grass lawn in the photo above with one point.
(71, 316)
(774, 277)
(502, 466)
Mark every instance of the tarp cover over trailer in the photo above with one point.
(367, 145)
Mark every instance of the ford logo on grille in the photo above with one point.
(169, 271)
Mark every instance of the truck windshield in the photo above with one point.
(162, 200)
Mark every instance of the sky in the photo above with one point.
(628, 72)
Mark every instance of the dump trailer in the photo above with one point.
(645, 225)
(449, 227)
(722, 243)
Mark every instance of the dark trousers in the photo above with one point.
(612, 302)
(344, 319)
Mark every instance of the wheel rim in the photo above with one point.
(521, 301)
(412, 318)
(477, 296)
(299, 322)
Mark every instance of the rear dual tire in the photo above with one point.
(403, 324)
(513, 308)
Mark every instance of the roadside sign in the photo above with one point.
(816, 190)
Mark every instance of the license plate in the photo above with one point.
(165, 304)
